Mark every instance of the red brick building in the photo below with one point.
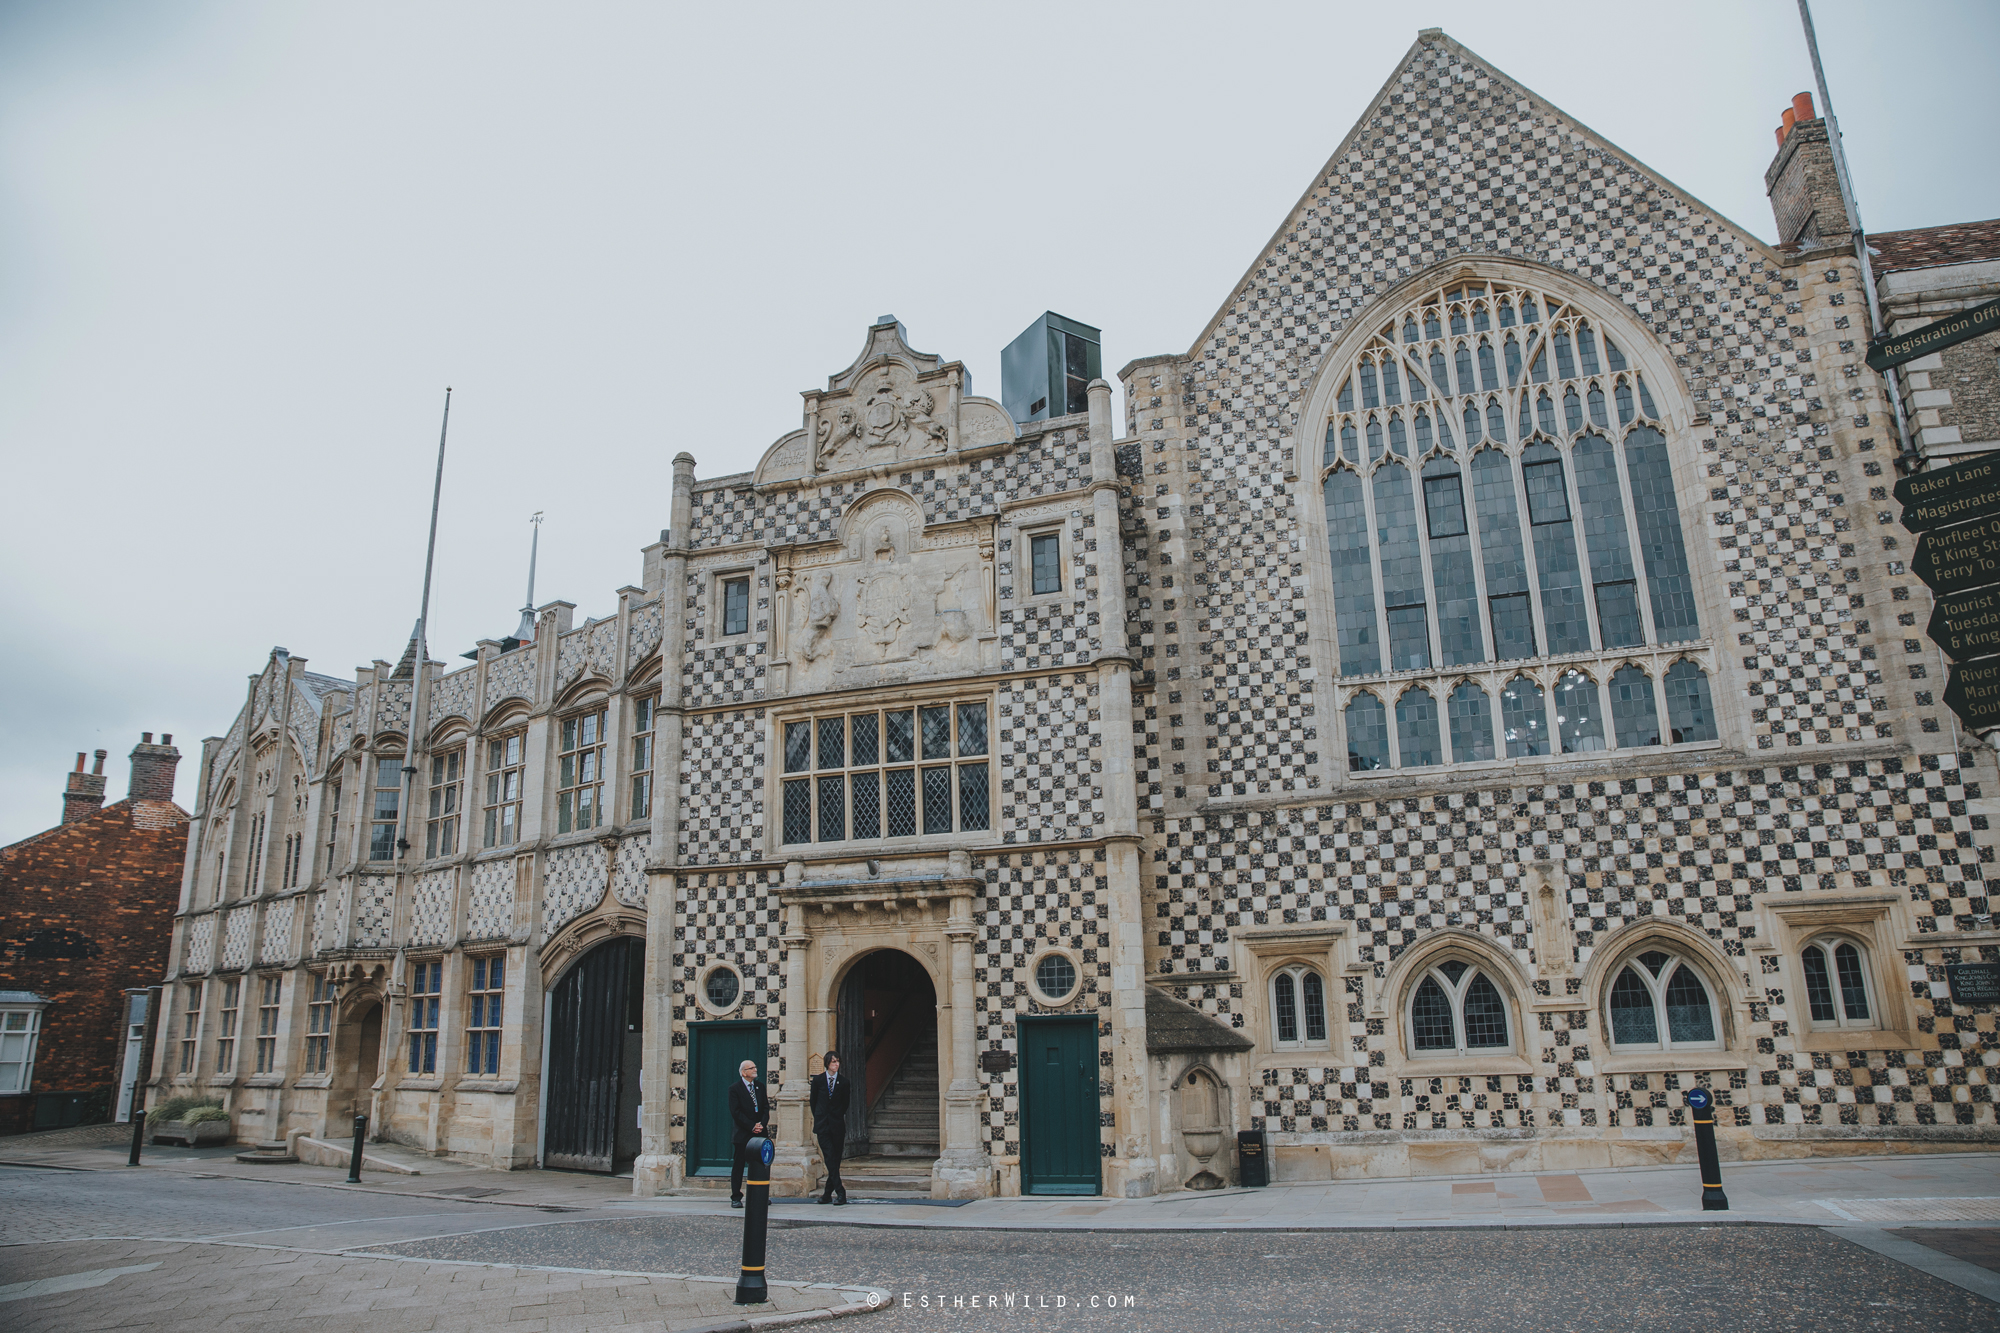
(86, 913)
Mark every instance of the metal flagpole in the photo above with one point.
(423, 651)
(526, 631)
(1906, 454)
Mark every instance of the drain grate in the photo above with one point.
(474, 1191)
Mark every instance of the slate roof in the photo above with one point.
(1931, 247)
(1172, 1025)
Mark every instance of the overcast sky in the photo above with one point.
(246, 246)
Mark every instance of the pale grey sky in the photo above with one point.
(248, 244)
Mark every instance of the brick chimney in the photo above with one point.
(1804, 190)
(83, 796)
(153, 769)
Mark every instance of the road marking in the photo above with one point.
(48, 1286)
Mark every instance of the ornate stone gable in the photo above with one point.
(891, 408)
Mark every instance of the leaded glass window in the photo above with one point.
(1659, 1001)
(876, 773)
(1498, 488)
(1837, 989)
(1298, 1007)
(1456, 1009)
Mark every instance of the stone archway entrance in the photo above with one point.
(357, 1063)
(594, 1043)
(886, 1029)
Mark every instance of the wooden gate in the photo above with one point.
(590, 1011)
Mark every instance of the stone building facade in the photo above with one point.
(1474, 700)
(88, 908)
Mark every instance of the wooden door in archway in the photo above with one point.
(596, 1015)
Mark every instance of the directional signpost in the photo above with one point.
(1894, 349)
(1956, 513)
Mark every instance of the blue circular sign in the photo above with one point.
(769, 1151)
(1699, 1099)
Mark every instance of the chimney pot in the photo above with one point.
(1802, 106)
(145, 738)
(83, 793)
(166, 738)
(153, 771)
(98, 770)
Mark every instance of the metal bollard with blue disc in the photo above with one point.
(750, 1289)
(1701, 1105)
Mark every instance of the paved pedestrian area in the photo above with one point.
(174, 1246)
(1875, 1191)
(69, 1287)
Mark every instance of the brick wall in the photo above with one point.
(88, 909)
(1805, 193)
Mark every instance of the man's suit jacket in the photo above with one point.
(746, 1112)
(829, 1110)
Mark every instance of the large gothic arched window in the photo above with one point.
(1498, 491)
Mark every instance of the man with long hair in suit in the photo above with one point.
(829, 1111)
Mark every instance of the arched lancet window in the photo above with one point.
(1298, 1007)
(1661, 1002)
(1837, 989)
(1456, 1009)
(1498, 489)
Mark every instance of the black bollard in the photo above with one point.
(1702, 1104)
(750, 1289)
(354, 1162)
(138, 1125)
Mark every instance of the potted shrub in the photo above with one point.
(197, 1122)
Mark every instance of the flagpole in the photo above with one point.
(423, 649)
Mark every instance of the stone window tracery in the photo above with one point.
(1660, 1001)
(503, 789)
(580, 784)
(1457, 1009)
(1499, 493)
(1837, 989)
(1298, 1008)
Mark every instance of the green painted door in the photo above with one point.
(1058, 1063)
(714, 1052)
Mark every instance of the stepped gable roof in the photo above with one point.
(1172, 1025)
(1934, 247)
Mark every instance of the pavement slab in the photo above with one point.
(177, 1285)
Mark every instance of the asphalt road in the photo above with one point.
(1767, 1279)
(1684, 1279)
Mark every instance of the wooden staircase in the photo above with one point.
(903, 1122)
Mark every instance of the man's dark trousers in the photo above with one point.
(829, 1112)
(748, 1105)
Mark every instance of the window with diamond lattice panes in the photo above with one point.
(1456, 1009)
(486, 1000)
(886, 773)
(1498, 489)
(580, 780)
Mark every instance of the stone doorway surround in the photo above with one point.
(921, 907)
